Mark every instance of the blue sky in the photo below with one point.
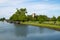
(40, 7)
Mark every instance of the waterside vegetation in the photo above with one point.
(20, 17)
(46, 25)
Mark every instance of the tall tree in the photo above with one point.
(19, 15)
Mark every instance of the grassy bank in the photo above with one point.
(56, 27)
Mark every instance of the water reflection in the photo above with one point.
(39, 33)
(26, 32)
(20, 30)
(41, 29)
(33, 29)
(45, 30)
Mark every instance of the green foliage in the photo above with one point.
(53, 18)
(30, 18)
(42, 18)
(58, 18)
(2, 19)
(19, 15)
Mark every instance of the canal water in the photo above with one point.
(10, 31)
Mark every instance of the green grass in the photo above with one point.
(52, 26)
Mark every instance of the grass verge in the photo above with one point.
(55, 27)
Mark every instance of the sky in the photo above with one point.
(40, 7)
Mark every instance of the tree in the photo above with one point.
(58, 18)
(19, 15)
(22, 16)
(30, 18)
(2, 19)
(54, 19)
(42, 18)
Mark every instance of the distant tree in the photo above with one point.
(54, 19)
(2, 19)
(30, 18)
(42, 18)
(36, 18)
(58, 18)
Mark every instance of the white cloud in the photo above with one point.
(45, 6)
(7, 12)
(15, 2)
(44, 9)
(39, 8)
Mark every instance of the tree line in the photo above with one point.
(20, 15)
(2, 19)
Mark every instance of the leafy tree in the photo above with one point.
(54, 19)
(19, 15)
(42, 18)
(2, 19)
(58, 18)
(30, 18)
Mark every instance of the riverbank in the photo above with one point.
(55, 27)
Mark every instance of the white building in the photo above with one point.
(33, 15)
